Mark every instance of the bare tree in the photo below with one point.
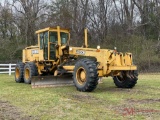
(125, 12)
(99, 15)
(143, 7)
(28, 12)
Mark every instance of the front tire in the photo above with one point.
(85, 75)
(30, 69)
(127, 79)
(19, 72)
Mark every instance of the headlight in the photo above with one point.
(70, 49)
(98, 47)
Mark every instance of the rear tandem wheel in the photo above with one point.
(30, 69)
(19, 72)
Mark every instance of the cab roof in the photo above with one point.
(54, 29)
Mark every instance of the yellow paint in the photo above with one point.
(110, 62)
(69, 68)
(26, 74)
(86, 38)
(17, 72)
(108, 59)
(81, 76)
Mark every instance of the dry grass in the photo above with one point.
(106, 102)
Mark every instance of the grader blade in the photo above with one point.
(51, 81)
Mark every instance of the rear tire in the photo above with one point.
(85, 75)
(19, 72)
(30, 69)
(127, 79)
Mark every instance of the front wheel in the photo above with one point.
(30, 69)
(85, 75)
(126, 79)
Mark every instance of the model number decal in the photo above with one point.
(35, 52)
(80, 52)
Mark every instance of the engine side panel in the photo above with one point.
(32, 53)
(110, 61)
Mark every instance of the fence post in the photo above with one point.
(10, 69)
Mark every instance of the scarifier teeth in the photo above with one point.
(128, 74)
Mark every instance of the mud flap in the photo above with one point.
(51, 81)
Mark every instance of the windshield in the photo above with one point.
(54, 37)
(64, 38)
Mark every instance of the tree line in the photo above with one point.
(130, 25)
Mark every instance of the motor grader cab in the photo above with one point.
(54, 62)
(49, 40)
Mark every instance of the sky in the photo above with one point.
(2, 1)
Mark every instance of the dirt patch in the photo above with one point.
(85, 98)
(113, 90)
(9, 112)
(82, 98)
(143, 101)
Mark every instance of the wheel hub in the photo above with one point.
(81, 76)
(17, 73)
(27, 74)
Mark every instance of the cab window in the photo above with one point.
(46, 39)
(43, 40)
(64, 38)
(53, 37)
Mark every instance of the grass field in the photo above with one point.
(20, 101)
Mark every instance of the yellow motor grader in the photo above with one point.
(53, 62)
